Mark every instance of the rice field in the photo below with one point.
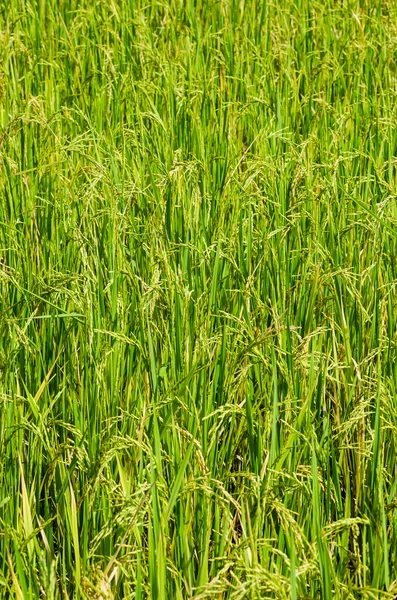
(198, 269)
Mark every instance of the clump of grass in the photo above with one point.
(197, 300)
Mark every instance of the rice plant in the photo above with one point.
(198, 242)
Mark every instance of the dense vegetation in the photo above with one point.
(198, 313)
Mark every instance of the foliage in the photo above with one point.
(197, 299)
